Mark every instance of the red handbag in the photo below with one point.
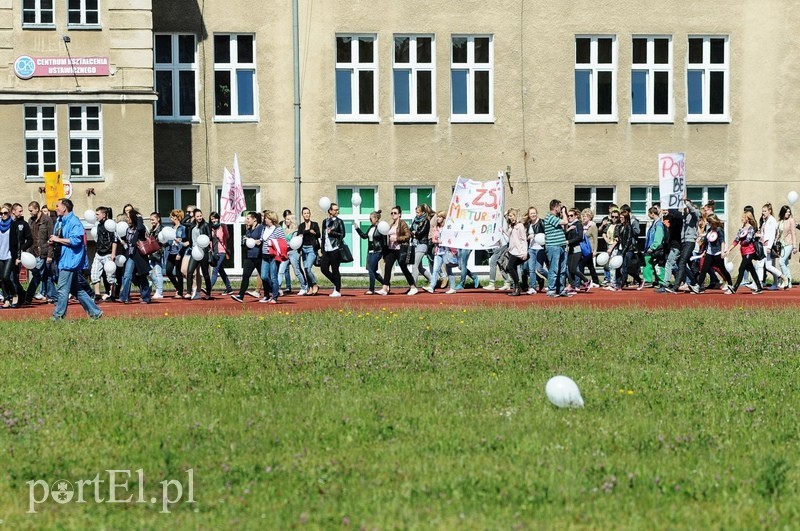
(148, 246)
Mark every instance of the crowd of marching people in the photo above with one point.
(562, 253)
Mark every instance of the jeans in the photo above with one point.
(683, 260)
(557, 270)
(127, 279)
(463, 260)
(269, 276)
(768, 263)
(40, 273)
(219, 271)
(493, 264)
(438, 262)
(309, 257)
(626, 268)
(420, 251)
(156, 275)
(372, 268)
(284, 272)
(786, 257)
(535, 265)
(174, 272)
(672, 263)
(6, 274)
(70, 281)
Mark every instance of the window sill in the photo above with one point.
(81, 179)
(234, 120)
(589, 119)
(356, 119)
(38, 26)
(34, 180)
(166, 120)
(415, 120)
(471, 119)
(84, 27)
(645, 119)
(708, 119)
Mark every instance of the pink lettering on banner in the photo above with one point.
(672, 179)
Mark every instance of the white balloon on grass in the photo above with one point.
(615, 262)
(120, 260)
(110, 267)
(28, 260)
(602, 259)
(539, 238)
(198, 253)
(203, 241)
(296, 242)
(324, 203)
(729, 266)
(122, 229)
(355, 200)
(90, 216)
(250, 243)
(562, 391)
(169, 233)
(93, 230)
(110, 225)
(792, 197)
(383, 227)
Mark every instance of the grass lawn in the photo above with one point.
(432, 419)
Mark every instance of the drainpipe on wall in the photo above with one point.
(296, 50)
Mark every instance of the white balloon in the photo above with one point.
(563, 392)
(383, 227)
(615, 262)
(94, 232)
(161, 237)
(169, 233)
(324, 203)
(356, 199)
(122, 229)
(110, 267)
(539, 238)
(729, 266)
(296, 242)
(110, 225)
(90, 216)
(602, 259)
(120, 260)
(792, 197)
(198, 253)
(250, 243)
(28, 260)
(203, 241)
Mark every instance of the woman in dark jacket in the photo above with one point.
(333, 233)
(200, 228)
(396, 251)
(376, 243)
(252, 255)
(625, 245)
(420, 228)
(136, 265)
(310, 232)
(574, 238)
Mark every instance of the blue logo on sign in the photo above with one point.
(24, 67)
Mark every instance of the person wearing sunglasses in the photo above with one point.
(397, 251)
(333, 233)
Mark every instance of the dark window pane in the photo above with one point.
(604, 55)
(401, 52)
(459, 49)
(92, 17)
(717, 51)
(93, 169)
(165, 199)
(694, 88)
(605, 194)
(458, 80)
(583, 50)
(93, 155)
(639, 92)
(91, 5)
(583, 198)
(661, 93)
(74, 17)
(695, 50)
(186, 48)
(481, 49)
(344, 49)
(401, 91)
(344, 92)
(47, 16)
(424, 91)
(222, 93)
(30, 112)
(74, 124)
(365, 50)
(28, 17)
(186, 93)
(75, 145)
(244, 48)
(424, 46)
(582, 92)
(47, 5)
(639, 51)
(481, 92)
(717, 94)
(163, 48)
(222, 49)
(32, 167)
(366, 96)
(92, 111)
(49, 145)
(661, 51)
(604, 93)
(31, 145)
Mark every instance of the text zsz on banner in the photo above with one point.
(474, 218)
(671, 179)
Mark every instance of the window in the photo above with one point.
(252, 201)
(598, 198)
(40, 141)
(651, 79)
(235, 86)
(356, 78)
(176, 77)
(471, 79)
(414, 78)
(83, 12)
(169, 198)
(356, 216)
(85, 142)
(37, 13)
(700, 195)
(596, 79)
(642, 198)
(707, 79)
(408, 197)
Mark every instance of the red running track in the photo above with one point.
(353, 299)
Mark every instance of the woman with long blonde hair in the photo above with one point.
(744, 238)
(442, 256)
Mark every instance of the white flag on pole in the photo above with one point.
(232, 202)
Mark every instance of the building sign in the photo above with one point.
(27, 67)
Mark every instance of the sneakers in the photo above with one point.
(477, 282)
(758, 291)
(335, 294)
(96, 316)
(264, 299)
(669, 289)
(727, 290)
(552, 294)
(254, 293)
(459, 286)
(490, 286)
(505, 287)
(592, 285)
(428, 288)
(228, 291)
(566, 293)
(301, 292)
(412, 291)
(694, 288)
(369, 292)
(196, 296)
(157, 296)
(236, 298)
(382, 292)
(39, 297)
(610, 287)
(450, 291)
(531, 291)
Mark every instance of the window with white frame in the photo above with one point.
(356, 78)
(642, 198)
(235, 84)
(700, 195)
(38, 13)
(708, 79)
(356, 215)
(171, 197)
(176, 71)
(40, 141)
(598, 198)
(651, 79)
(83, 12)
(596, 78)
(472, 78)
(414, 78)
(408, 198)
(85, 142)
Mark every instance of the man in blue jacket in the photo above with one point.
(70, 237)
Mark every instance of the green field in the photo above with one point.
(410, 419)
